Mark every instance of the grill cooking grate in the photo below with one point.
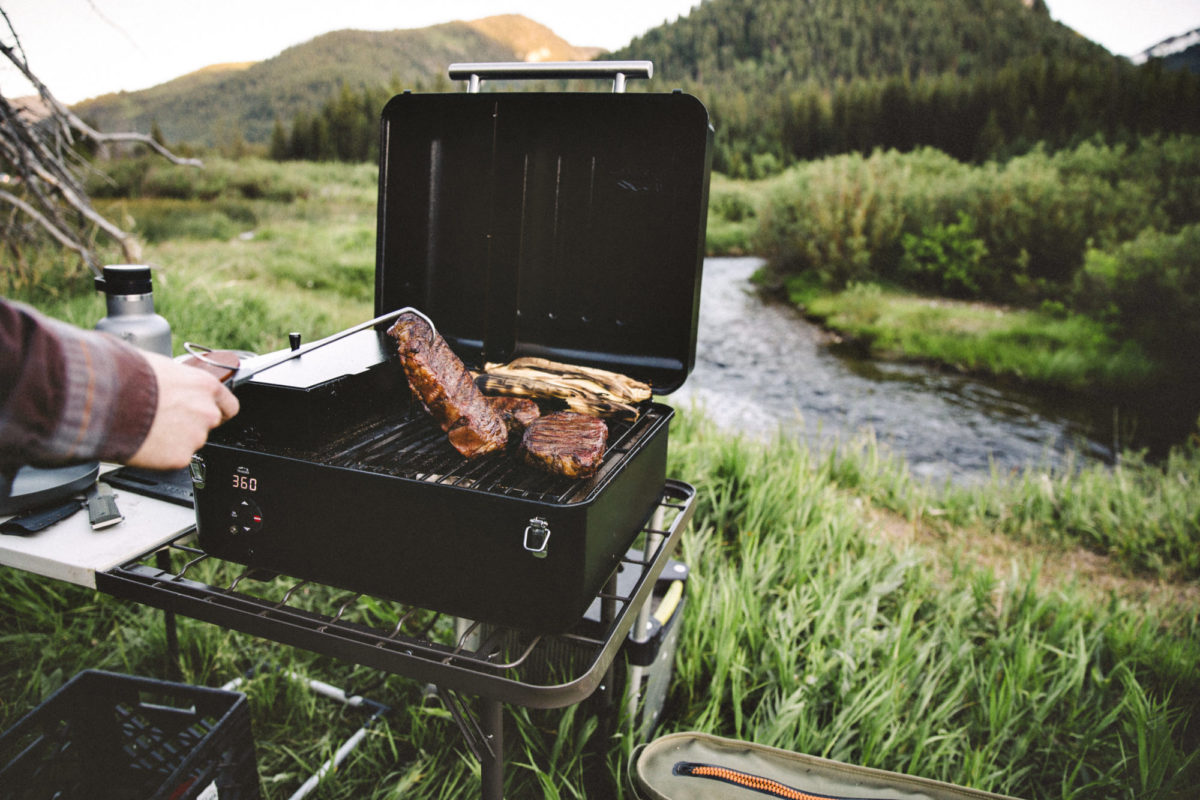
(414, 447)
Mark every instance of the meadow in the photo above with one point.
(1037, 635)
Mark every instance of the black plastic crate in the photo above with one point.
(106, 735)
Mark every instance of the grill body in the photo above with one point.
(376, 501)
(567, 226)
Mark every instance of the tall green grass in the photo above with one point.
(819, 636)
(1145, 516)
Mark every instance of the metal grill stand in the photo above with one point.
(496, 665)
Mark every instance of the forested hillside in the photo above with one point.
(216, 107)
(761, 44)
(791, 80)
(1036, 101)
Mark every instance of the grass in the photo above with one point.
(733, 214)
(241, 271)
(1070, 352)
(837, 605)
(865, 652)
(1146, 517)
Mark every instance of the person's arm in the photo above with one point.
(69, 395)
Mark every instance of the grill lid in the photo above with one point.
(567, 226)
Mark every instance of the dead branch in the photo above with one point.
(130, 136)
(50, 228)
(41, 152)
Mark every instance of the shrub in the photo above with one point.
(946, 258)
(841, 218)
(1030, 220)
(151, 176)
(258, 180)
(845, 218)
(159, 220)
(764, 165)
(731, 218)
(120, 178)
(731, 205)
(726, 239)
(170, 182)
(1151, 287)
(1169, 168)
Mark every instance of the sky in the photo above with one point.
(84, 48)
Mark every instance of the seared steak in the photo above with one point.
(440, 380)
(566, 443)
(517, 412)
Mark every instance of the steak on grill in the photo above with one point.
(442, 383)
(517, 412)
(565, 443)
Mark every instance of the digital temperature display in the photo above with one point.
(245, 483)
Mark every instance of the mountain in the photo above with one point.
(532, 41)
(1176, 52)
(784, 80)
(1188, 59)
(765, 43)
(222, 102)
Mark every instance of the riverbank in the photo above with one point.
(1057, 351)
(1096, 246)
(1051, 352)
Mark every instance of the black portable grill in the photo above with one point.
(563, 225)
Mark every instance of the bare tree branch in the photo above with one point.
(129, 136)
(45, 170)
(42, 154)
(50, 228)
(70, 121)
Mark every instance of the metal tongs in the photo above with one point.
(233, 371)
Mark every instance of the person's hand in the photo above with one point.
(191, 402)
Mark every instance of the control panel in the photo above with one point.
(245, 517)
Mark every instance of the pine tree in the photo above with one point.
(278, 150)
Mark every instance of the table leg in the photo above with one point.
(491, 757)
(608, 613)
(163, 561)
(483, 733)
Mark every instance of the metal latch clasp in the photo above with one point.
(537, 536)
(199, 471)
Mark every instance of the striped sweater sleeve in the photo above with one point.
(68, 395)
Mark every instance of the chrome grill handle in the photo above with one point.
(620, 71)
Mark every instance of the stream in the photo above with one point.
(761, 366)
